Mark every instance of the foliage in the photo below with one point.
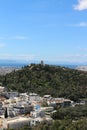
(44, 104)
(65, 124)
(72, 113)
(45, 79)
(6, 113)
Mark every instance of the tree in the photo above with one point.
(6, 113)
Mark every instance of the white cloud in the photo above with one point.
(81, 24)
(71, 58)
(5, 56)
(20, 37)
(84, 49)
(2, 45)
(25, 57)
(78, 58)
(17, 57)
(82, 5)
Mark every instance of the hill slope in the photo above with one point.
(45, 79)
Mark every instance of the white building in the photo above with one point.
(24, 96)
(37, 113)
(12, 94)
(2, 89)
(34, 97)
(18, 122)
(36, 121)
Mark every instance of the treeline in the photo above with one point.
(44, 79)
(73, 113)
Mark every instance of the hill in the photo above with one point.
(44, 79)
(82, 68)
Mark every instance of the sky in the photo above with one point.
(49, 30)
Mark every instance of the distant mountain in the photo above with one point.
(82, 68)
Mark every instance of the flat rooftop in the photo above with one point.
(17, 119)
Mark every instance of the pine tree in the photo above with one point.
(6, 113)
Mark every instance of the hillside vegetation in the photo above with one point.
(44, 79)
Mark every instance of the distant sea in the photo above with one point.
(69, 66)
(19, 65)
(16, 65)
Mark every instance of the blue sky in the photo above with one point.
(49, 30)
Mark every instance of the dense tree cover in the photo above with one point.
(63, 125)
(44, 79)
(72, 113)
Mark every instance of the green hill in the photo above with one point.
(44, 79)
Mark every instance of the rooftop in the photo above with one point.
(17, 119)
